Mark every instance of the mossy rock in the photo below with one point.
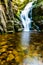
(37, 14)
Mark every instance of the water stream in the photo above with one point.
(26, 20)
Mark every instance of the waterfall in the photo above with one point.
(26, 20)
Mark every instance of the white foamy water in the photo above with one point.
(32, 61)
(24, 16)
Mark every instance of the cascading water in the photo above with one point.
(26, 21)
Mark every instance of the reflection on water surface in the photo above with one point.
(22, 48)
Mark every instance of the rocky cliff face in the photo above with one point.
(2, 20)
(38, 17)
(8, 22)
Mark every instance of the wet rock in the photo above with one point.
(38, 18)
(3, 43)
(10, 57)
(2, 50)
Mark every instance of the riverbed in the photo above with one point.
(22, 48)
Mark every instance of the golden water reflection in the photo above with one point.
(22, 48)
